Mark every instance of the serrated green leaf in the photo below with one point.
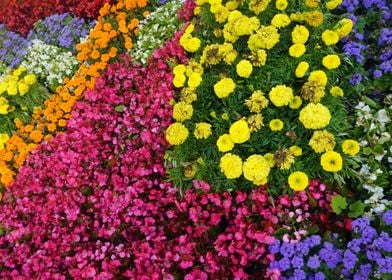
(356, 209)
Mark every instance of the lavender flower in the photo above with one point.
(313, 262)
(13, 47)
(387, 217)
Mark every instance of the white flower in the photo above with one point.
(382, 116)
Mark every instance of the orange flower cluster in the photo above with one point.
(113, 34)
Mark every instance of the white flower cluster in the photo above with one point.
(50, 63)
(376, 126)
(155, 29)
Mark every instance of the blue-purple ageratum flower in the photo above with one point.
(287, 249)
(13, 47)
(349, 259)
(313, 262)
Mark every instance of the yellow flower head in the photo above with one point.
(331, 161)
(4, 106)
(259, 59)
(12, 89)
(330, 37)
(239, 132)
(179, 69)
(256, 102)
(231, 166)
(314, 18)
(194, 80)
(315, 116)
(350, 147)
(295, 102)
(281, 95)
(255, 122)
(3, 139)
(319, 77)
(336, 91)
(312, 3)
(176, 134)
(23, 88)
(276, 125)
(330, 5)
(270, 159)
(298, 181)
(224, 87)
(188, 95)
(30, 79)
(182, 111)
(280, 20)
(179, 80)
(297, 50)
(281, 5)
(244, 68)
(344, 27)
(256, 169)
(258, 6)
(192, 44)
(295, 150)
(300, 34)
(331, 61)
(225, 143)
(266, 37)
(322, 141)
(284, 158)
(202, 130)
(301, 69)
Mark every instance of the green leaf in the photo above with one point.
(119, 108)
(378, 149)
(367, 151)
(356, 209)
(338, 204)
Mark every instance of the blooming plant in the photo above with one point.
(255, 64)
(366, 254)
(156, 29)
(13, 47)
(49, 63)
(62, 30)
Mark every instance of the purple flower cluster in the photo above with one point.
(367, 253)
(370, 42)
(62, 30)
(13, 47)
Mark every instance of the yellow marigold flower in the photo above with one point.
(193, 67)
(30, 79)
(255, 122)
(18, 71)
(256, 102)
(192, 44)
(256, 169)
(224, 87)
(297, 50)
(297, 17)
(23, 88)
(319, 77)
(270, 159)
(344, 27)
(259, 59)
(315, 116)
(312, 3)
(225, 143)
(266, 37)
(232, 5)
(330, 37)
(244, 68)
(331, 61)
(179, 69)
(231, 166)
(202, 130)
(179, 80)
(295, 102)
(281, 95)
(188, 95)
(239, 132)
(312, 91)
(301, 69)
(322, 141)
(336, 91)
(281, 5)
(194, 80)
(330, 5)
(276, 125)
(189, 29)
(3, 87)
(295, 150)
(182, 111)
(284, 158)
(176, 133)
(331, 161)
(350, 147)
(258, 6)
(3, 139)
(280, 20)
(12, 89)
(300, 34)
(298, 181)
(314, 18)
(4, 106)
(220, 12)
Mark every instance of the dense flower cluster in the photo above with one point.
(240, 152)
(366, 255)
(62, 30)
(13, 47)
(19, 16)
(156, 29)
(49, 63)
(110, 36)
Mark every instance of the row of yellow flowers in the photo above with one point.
(113, 33)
